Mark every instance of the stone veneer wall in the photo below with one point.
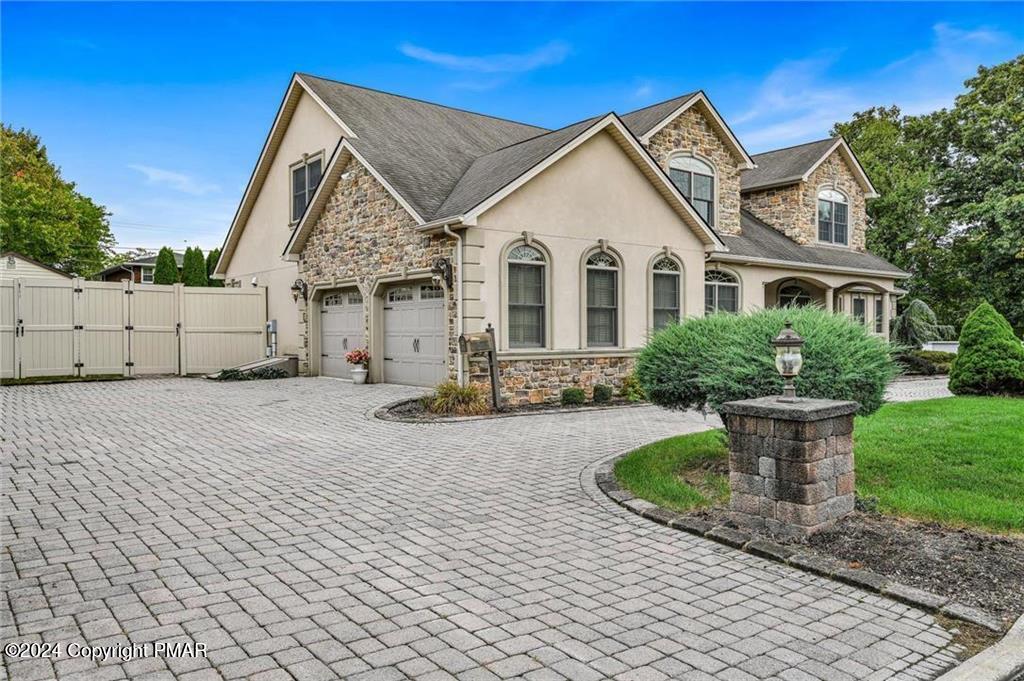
(364, 233)
(691, 132)
(533, 381)
(793, 209)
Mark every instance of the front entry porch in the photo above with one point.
(868, 302)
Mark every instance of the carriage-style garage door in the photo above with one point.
(341, 329)
(414, 335)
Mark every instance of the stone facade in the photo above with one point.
(790, 464)
(363, 233)
(535, 381)
(793, 209)
(692, 133)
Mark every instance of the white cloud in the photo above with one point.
(644, 89)
(547, 55)
(800, 99)
(181, 182)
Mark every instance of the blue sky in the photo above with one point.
(159, 111)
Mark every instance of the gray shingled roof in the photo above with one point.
(179, 258)
(760, 240)
(422, 149)
(784, 165)
(642, 120)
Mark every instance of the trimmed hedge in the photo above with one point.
(991, 358)
(573, 396)
(711, 360)
(602, 393)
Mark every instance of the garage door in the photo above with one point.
(415, 342)
(341, 329)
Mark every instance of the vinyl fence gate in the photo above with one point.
(73, 327)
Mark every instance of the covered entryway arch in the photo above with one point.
(798, 291)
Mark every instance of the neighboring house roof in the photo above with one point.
(148, 260)
(781, 167)
(8, 254)
(759, 242)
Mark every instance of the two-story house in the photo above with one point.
(396, 224)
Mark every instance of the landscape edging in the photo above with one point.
(383, 412)
(604, 476)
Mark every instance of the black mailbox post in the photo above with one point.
(479, 344)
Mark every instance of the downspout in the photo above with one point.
(459, 327)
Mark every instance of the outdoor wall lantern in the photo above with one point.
(441, 271)
(788, 359)
(299, 288)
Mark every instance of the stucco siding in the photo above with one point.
(258, 253)
(595, 192)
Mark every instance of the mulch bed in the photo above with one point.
(985, 571)
(413, 410)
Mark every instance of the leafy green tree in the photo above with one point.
(917, 325)
(193, 268)
(42, 215)
(166, 269)
(990, 360)
(211, 263)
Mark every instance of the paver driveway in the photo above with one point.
(296, 536)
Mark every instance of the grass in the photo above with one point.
(958, 461)
(43, 380)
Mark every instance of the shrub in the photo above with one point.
(452, 399)
(911, 364)
(602, 393)
(917, 325)
(258, 374)
(211, 263)
(942, 361)
(631, 389)
(193, 268)
(166, 269)
(991, 359)
(573, 396)
(724, 357)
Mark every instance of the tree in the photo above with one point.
(166, 270)
(193, 268)
(42, 216)
(917, 325)
(211, 263)
(990, 360)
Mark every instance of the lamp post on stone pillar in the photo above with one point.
(790, 459)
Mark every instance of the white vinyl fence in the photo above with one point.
(73, 327)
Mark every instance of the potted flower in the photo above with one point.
(359, 358)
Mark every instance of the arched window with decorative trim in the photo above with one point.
(666, 286)
(602, 300)
(695, 179)
(721, 292)
(794, 295)
(833, 217)
(527, 297)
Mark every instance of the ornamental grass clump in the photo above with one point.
(707, 361)
(452, 399)
(990, 360)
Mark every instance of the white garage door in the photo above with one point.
(341, 329)
(415, 341)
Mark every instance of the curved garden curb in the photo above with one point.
(383, 413)
(604, 476)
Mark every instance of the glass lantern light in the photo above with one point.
(788, 359)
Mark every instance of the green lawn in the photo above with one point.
(959, 461)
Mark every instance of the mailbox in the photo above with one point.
(476, 343)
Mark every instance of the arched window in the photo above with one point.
(526, 297)
(794, 295)
(695, 180)
(665, 280)
(833, 217)
(721, 292)
(602, 300)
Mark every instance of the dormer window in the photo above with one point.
(833, 217)
(305, 177)
(695, 180)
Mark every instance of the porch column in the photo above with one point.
(885, 314)
(830, 303)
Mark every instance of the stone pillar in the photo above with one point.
(790, 463)
(830, 303)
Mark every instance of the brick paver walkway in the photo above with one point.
(297, 537)
(911, 390)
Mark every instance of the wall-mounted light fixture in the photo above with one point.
(441, 271)
(299, 288)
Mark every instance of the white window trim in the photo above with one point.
(664, 253)
(304, 161)
(739, 288)
(620, 311)
(146, 270)
(831, 187)
(549, 302)
(715, 174)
